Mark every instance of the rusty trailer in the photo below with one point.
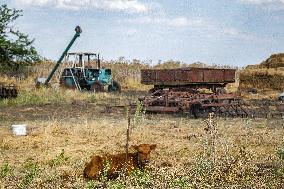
(188, 77)
(194, 90)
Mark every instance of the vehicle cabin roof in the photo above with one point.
(82, 53)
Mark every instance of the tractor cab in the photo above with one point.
(84, 72)
(102, 75)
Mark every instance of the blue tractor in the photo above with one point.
(80, 74)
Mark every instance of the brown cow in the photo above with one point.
(116, 163)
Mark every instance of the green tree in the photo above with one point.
(16, 50)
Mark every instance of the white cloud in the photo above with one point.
(179, 22)
(233, 32)
(274, 3)
(202, 25)
(183, 22)
(133, 6)
(259, 1)
(176, 22)
(130, 32)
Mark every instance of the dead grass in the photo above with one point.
(53, 154)
(55, 95)
(181, 153)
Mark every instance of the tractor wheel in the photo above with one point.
(115, 87)
(97, 87)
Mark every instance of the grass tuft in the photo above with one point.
(31, 171)
(59, 160)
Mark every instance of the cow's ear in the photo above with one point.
(153, 146)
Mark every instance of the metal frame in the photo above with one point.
(176, 93)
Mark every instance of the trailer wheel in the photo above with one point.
(97, 87)
(197, 111)
(115, 87)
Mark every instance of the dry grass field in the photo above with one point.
(66, 127)
(63, 134)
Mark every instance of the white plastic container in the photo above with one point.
(19, 130)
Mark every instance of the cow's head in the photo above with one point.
(144, 153)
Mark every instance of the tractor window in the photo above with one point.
(67, 72)
(92, 73)
(108, 72)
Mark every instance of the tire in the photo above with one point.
(115, 87)
(198, 112)
(97, 87)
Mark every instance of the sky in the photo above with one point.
(223, 32)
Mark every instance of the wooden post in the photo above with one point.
(127, 133)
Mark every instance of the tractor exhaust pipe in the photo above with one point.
(99, 62)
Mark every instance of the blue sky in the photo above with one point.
(225, 32)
